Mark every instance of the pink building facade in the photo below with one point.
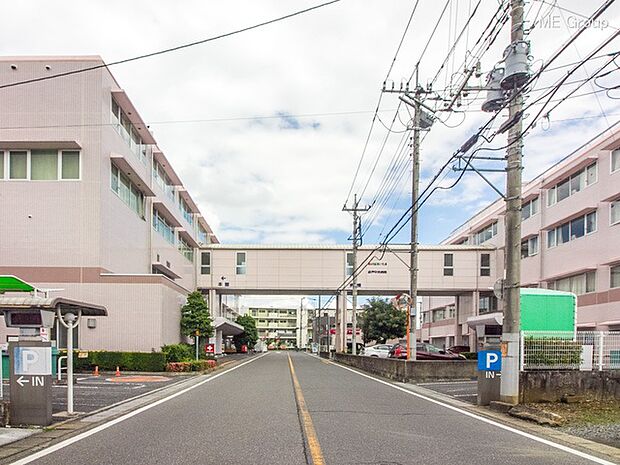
(570, 241)
(90, 205)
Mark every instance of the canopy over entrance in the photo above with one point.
(16, 304)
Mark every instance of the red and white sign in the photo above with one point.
(209, 349)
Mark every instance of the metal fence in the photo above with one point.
(568, 350)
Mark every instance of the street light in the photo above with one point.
(70, 321)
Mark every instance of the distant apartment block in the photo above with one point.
(276, 323)
(570, 242)
(91, 205)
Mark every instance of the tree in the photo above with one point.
(250, 333)
(195, 317)
(381, 321)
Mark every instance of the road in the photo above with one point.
(259, 412)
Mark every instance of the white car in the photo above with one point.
(380, 350)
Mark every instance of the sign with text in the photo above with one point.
(489, 360)
(33, 360)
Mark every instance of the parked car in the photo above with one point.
(458, 349)
(379, 350)
(424, 351)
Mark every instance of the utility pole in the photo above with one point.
(356, 237)
(509, 391)
(415, 187)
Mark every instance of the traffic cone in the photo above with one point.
(118, 372)
(96, 370)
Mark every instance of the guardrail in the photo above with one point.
(568, 350)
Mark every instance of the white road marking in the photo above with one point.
(446, 383)
(84, 435)
(561, 447)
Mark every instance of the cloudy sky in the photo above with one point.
(266, 128)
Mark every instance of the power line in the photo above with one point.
(375, 116)
(169, 50)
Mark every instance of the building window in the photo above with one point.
(186, 249)
(448, 264)
(485, 264)
(163, 180)
(18, 165)
(573, 184)
(615, 160)
(44, 165)
(578, 284)
(349, 264)
(203, 238)
(127, 191)
(241, 267)
(487, 304)
(163, 227)
(529, 247)
(205, 263)
(40, 165)
(485, 234)
(70, 164)
(530, 208)
(571, 230)
(614, 212)
(614, 278)
(128, 132)
(185, 210)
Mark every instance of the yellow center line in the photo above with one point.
(306, 420)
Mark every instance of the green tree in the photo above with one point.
(250, 333)
(381, 321)
(195, 317)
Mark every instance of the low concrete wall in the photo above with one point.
(418, 371)
(550, 385)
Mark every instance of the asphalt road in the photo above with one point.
(250, 415)
(466, 391)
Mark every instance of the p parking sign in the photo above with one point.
(489, 360)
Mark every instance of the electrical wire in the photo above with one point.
(168, 50)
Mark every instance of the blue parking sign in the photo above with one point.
(490, 360)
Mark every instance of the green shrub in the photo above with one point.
(178, 352)
(194, 365)
(550, 352)
(127, 361)
(470, 355)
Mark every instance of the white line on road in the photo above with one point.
(446, 383)
(561, 447)
(84, 435)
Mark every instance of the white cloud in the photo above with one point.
(258, 181)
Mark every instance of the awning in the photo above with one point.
(124, 165)
(188, 237)
(227, 327)
(494, 319)
(50, 303)
(163, 269)
(130, 110)
(164, 211)
(562, 175)
(40, 144)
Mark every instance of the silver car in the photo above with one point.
(380, 350)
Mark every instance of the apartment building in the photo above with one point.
(277, 323)
(570, 242)
(90, 204)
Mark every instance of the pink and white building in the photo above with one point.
(570, 241)
(90, 205)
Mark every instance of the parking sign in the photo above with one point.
(489, 360)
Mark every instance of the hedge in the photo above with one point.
(195, 365)
(551, 352)
(127, 361)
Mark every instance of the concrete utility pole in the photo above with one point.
(356, 237)
(509, 391)
(415, 187)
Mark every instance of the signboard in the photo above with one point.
(209, 349)
(489, 360)
(32, 360)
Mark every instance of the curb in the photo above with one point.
(47, 436)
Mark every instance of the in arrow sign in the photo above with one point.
(21, 380)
